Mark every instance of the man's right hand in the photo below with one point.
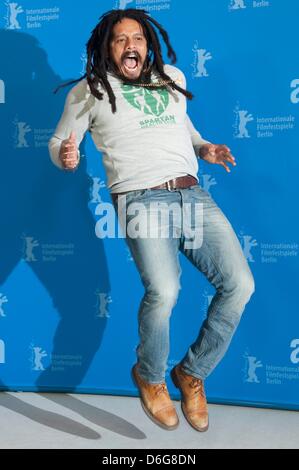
(69, 153)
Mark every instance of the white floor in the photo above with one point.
(56, 421)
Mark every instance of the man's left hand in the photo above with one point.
(219, 154)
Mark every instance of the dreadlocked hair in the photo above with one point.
(97, 48)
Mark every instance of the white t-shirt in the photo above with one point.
(149, 140)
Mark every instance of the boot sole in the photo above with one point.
(146, 410)
(177, 385)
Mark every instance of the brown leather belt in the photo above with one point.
(176, 183)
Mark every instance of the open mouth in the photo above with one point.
(131, 62)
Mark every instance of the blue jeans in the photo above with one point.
(219, 257)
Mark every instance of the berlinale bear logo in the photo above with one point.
(153, 102)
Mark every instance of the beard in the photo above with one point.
(143, 77)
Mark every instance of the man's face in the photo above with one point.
(128, 47)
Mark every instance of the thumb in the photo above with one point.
(72, 136)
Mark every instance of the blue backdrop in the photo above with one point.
(69, 299)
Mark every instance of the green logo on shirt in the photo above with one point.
(152, 102)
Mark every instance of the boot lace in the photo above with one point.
(161, 388)
(197, 385)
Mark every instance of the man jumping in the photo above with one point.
(134, 106)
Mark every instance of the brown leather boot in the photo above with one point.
(156, 402)
(194, 403)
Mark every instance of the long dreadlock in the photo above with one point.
(98, 61)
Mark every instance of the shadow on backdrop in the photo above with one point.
(40, 205)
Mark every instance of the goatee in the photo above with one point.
(144, 76)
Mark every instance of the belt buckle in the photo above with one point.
(168, 186)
